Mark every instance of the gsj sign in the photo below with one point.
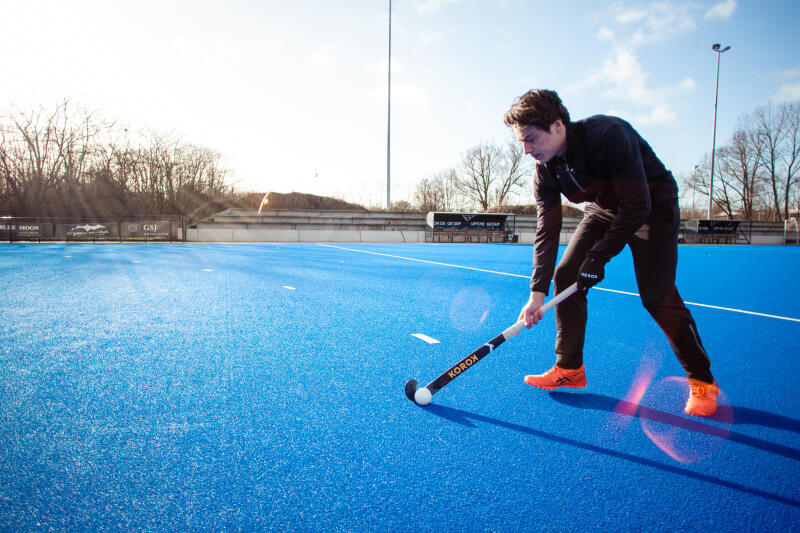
(158, 230)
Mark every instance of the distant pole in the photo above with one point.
(389, 119)
(716, 48)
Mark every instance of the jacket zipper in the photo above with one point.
(569, 173)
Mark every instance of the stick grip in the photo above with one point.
(557, 299)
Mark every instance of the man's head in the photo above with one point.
(539, 120)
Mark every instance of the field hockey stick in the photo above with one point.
(423, 395)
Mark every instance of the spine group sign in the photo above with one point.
(461, 221)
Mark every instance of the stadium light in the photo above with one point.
(719, 50)
(389, 119)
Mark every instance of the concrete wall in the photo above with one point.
(241, 225)
(301, 235)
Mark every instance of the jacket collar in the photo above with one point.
(575, 144)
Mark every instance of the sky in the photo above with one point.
(293, 94)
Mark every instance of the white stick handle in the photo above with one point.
(557, 299)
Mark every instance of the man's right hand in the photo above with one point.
(530, 311)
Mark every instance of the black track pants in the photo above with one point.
(655, 259)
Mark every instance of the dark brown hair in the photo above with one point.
(538, 107)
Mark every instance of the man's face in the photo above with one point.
(540, 144)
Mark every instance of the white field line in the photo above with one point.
(426, 261)
(423, 337)
(743, 311)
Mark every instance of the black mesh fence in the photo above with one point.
(155, 228)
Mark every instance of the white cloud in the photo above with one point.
(531, 81)
(323, 57)
(403, 94)
(723, 10)
(428, 6)
(628, 15)
(655, 22)
(659, 114)
(622, 78)
(605, 34)
(787, 92)
(687, 85)
(380, 68)
(431, 37)
(410, 94)
(791, 73)
(625, 75)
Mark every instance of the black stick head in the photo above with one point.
(411, 388)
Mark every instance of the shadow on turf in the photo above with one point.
(465, 418)
(740, 415)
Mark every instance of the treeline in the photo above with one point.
(68, 162)
(487, 178)
(297, 200)
(756, 173)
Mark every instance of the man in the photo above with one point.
(631, 199)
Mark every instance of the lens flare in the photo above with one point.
(625, 410)
(644, 375)
(684, 438)
(470, 308)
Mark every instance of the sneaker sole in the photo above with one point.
(695, 413)
(577, 386)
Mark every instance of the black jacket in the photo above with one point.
(609, 164)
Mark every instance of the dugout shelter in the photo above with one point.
(718, 231)
(469, 227)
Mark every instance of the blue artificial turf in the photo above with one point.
(260, 387)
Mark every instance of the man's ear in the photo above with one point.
(554, 127)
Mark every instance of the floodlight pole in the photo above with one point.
(715, 47)
(389, 119)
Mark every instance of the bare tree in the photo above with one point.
(690, 188)
(403, 206)
(739, 165)
(512, 172)
(759, 168)
(481, 166)
(791, 155)
(9, 187)
(64, 161)
(776, 128)
(44, 154)
(438, 193)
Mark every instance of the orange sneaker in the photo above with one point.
(558, 377)
(702, 398)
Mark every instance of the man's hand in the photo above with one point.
(591, 273)
(530, 312)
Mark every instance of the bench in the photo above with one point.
(469, 235)
(710, 231)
